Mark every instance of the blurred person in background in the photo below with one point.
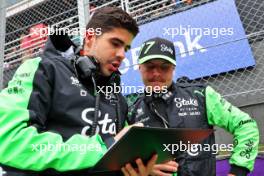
(25, 47)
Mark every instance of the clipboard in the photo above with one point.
(143, 142)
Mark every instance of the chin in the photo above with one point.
(156, 85)
(107, 73)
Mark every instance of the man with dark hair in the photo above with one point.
(189, 105)
(54, 117)
(114, 19)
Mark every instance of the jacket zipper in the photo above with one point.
(165, 122)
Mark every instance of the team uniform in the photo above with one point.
(47, 104)
(188, 105)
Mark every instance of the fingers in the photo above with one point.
(151, 163)
(159, 173)
(172, 163)
(141, 167)
(138, 125)
(121, 133)
(124, 131)
(163, 169)
(166, 168)
(142, 170)
(145, 170)
(128, 170)
(124, 171)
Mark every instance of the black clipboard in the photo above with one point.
(143, 142)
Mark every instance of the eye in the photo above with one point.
(150, 67)
(165, 67)
(115, 44)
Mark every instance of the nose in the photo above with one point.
(156, 72)
(120, 53)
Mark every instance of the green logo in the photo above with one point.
(199, 92)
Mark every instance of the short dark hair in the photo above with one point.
(108, 18)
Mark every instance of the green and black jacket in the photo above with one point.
(46, 105)
(199, 106)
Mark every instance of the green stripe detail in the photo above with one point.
(157, 56)
(126, 124)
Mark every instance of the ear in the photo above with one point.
(139, 67)
(88, 43)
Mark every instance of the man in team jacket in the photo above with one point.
(53, 119)
(185, 105)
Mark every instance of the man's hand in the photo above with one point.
(141, 170)
(163, 169)
(230, 175)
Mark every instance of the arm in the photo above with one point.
(19, 126)
(244, 129)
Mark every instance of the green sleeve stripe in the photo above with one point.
(244, 129)
(23, 147)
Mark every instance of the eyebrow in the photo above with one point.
(164, 63)
(128, 47)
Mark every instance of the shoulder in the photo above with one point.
(131, 99)
(185, 82)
